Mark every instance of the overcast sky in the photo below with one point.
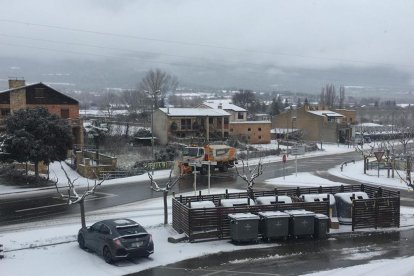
(279, 37)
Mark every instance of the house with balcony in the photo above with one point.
(22, 96)
(251, 132)
(183, 123)
(317, 123)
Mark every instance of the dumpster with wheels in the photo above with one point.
(274, 225)
(244, 227)
(321, 226)
(301, 223)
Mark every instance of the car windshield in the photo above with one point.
(190, 152)
(130, 230)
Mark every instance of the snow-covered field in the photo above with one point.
(48, 248)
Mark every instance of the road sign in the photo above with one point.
(379, 155)
(298, 150)
(284, 158)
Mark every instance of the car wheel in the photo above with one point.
(81, 241)
(107, 255)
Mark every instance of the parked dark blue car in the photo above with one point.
(116, 239)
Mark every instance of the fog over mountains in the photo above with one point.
(267, 45)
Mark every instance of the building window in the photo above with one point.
(64, 113)
(185, 124)
(260, 137)
(5, 111)
(210, 121)
(240, 115)
(39, 92)
(249, 129)
(260, 129)
(231, 130)
(226, 120)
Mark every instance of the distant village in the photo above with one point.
(118, 123)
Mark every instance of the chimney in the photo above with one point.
(16, 82)
(220, 106)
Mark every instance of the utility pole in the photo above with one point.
(153, 95)
(195, 179)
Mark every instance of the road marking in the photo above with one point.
(106, 195)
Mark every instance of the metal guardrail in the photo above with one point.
(346, 163)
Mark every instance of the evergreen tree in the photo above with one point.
(35, 135)
(274, 107)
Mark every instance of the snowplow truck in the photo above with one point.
(218, 156)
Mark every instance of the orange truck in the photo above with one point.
(218, 156)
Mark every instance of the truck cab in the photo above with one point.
(192, 154)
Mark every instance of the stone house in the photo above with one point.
(252, 132)
(22, 96)
(206, 123)
(317, 123)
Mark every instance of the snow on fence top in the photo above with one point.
(236, 202)
(202, 204)
(267, 200)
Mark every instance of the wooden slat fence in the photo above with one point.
(376, 212)
(382, 209)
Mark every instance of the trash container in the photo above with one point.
(301, 223)
(344, 205)
(274, 225)
(322, 197)
(321, 226)
(244, 227)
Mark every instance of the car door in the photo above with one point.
(92, 237)
(101, 236)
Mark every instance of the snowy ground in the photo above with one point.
(46, 247)
(356, 172)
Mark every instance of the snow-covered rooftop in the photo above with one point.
(369, 125)
(283, 130)
(199, 112)
(224, 105)
(327, 113)
(251, 122)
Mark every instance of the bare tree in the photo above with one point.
(73, 197)
(404, 135)
(157, 82)
(110, 101)
(328, 95)
(168, 186)
(137, 101)
(249, 175)
(341, 96)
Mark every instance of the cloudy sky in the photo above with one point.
(224, 42)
